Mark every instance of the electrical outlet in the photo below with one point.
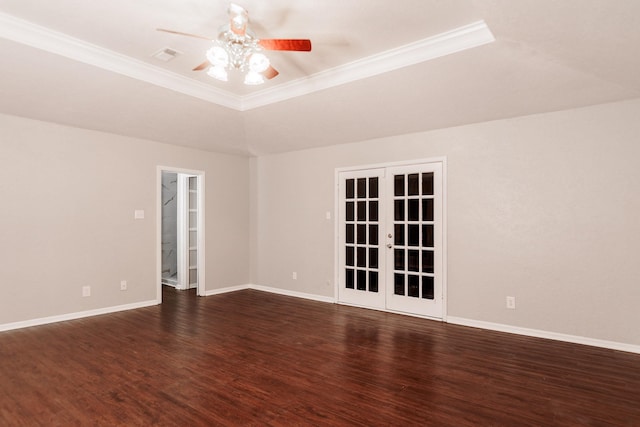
(511, 303)
(294, 275)
(86, 291)
(123, 285)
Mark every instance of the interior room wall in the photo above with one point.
(543, 208)
(67, 218)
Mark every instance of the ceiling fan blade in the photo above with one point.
(202, 66)
(238, 19)
(183, 34)
(270, 73)
(303, 45)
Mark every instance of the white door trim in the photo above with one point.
(201, 226)
(183, 230)
(443, 161)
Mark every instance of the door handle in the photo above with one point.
(389, 245)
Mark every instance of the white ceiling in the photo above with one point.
(377, 68)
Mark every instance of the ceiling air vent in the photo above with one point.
(166, 54)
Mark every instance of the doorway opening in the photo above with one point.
(180, 252)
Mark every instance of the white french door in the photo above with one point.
(390, 239)
(361, 237)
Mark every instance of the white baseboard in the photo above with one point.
(107, 310)
(457, 321)
(73, 316)
(289, 293)
(544, 334)
(269, 289)
(450, 319)
(226, 290)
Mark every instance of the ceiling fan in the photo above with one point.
(237, 47)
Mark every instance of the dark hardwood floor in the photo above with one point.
(253, 358)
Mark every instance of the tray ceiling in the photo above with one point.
(376, 69)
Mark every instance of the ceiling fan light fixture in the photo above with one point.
(258, 62)
(218, 72)
(237, 48)
(218, 56)
(253, 78)
(239, 21)
(239, 15)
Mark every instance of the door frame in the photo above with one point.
(200, 175)
(337, 248)
(183, 248)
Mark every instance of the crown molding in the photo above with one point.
(39, 37)
(459, 39)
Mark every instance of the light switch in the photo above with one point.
(138, 214)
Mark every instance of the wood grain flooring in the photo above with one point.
(255, 359)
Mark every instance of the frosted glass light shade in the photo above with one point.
(218, 72)
(218, 56)
(253, 78)
(258, 62)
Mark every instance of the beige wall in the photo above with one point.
(544, 208)
(66, 218)
(541, 207)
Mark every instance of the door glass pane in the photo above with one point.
(398, 209)
(348, 279)
(350, 188)
(349, 234)
(399, 234)
(427, 287)
(361, 259)
(373, 257)
(350, 214)
(398, 259)
(362, 211)
(427, 184)
(373, 281)
(362, 188)
(398, 185)
(414, 287)
(361, 283)
(427, 261)
(413, 260)
(349, 256)
(427, 236)
(362, 234)
(398, 284)
(373, 188)
(427, 209)
(373, 234)
(413, 232)
(413, 184)
(373, 211)
(413, 213)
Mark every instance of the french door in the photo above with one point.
(390, 238)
